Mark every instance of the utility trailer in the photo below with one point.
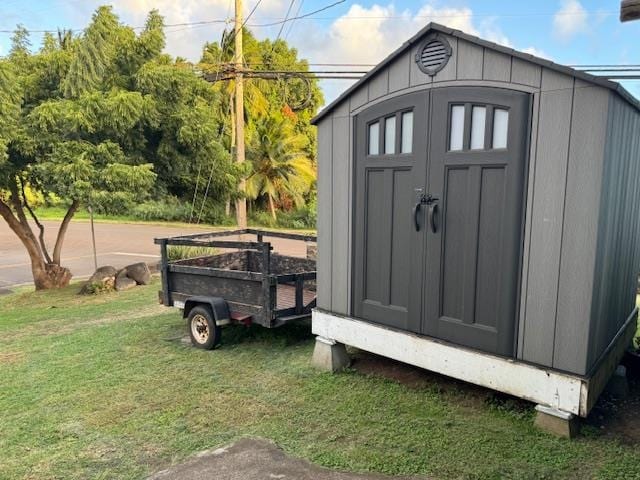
(245, 282)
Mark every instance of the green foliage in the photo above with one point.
(170, 209)
(98, 288)
(281, 168)
(105, 119)
(183, 252)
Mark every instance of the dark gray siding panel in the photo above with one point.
(325, 180)
(618, 248)
(470, 61)
(533, 144)
(580, 227)
(341, 218)
(546, 218)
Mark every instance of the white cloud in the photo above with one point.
(570, 20)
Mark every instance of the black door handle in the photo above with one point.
(433, 211)
(416, 212)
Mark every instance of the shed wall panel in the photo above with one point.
(525, 73)
(554, 126)
(325, 212)
(580, 227)
(450, 71)
(470, 61)
(341, 175)
(533, 144)
(359, 97)
(497, 66)
(618, 248)
(379, 85)
(399, 72)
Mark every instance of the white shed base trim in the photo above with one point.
(554, 389)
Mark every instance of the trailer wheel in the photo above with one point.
(203, 330)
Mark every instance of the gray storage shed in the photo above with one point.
(479, 216)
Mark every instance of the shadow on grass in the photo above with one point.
(294, 333)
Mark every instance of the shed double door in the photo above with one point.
(438, 224)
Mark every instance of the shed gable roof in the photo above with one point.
(435, 27)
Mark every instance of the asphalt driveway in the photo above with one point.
(256, 459)
(117, 244)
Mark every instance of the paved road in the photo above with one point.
(256, 459)
(116, 244)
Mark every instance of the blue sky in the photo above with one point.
(566, 31)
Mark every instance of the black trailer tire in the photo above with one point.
(202, 326)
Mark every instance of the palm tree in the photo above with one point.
(281, 167)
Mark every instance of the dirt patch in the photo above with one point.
(619, 417)
(467, 394)
(53, 327)
(9, 358)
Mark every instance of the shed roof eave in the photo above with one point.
(603, 82)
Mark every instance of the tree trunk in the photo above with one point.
(272, 207)
(45, 275)
(57, 249)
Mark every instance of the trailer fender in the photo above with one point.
(218, 305)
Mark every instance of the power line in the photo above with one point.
(292, 23)
(286, 16)
(309, 15)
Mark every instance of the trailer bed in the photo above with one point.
(265, 287)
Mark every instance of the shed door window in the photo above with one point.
(391, 134)
(477, 127)
(456, 128)
(478, 117)
(500, 128)
(374, 138)
(407, 132)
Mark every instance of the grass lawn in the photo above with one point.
(101, 387)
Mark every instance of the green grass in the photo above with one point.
(101, 387)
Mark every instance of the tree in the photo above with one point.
(293, 99)
(281, 167)
(86, 117)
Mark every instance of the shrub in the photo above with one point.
(182, 252)
(169, 209)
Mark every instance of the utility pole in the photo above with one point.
(241, 203)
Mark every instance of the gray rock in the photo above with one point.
(103, 279)
(102, 274)
(124, 283)
(139, 272)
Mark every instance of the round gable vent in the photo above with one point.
(433, 55)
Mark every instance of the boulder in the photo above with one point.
(103, 279)
(139, 272)
(125, 283)
(103, 273)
